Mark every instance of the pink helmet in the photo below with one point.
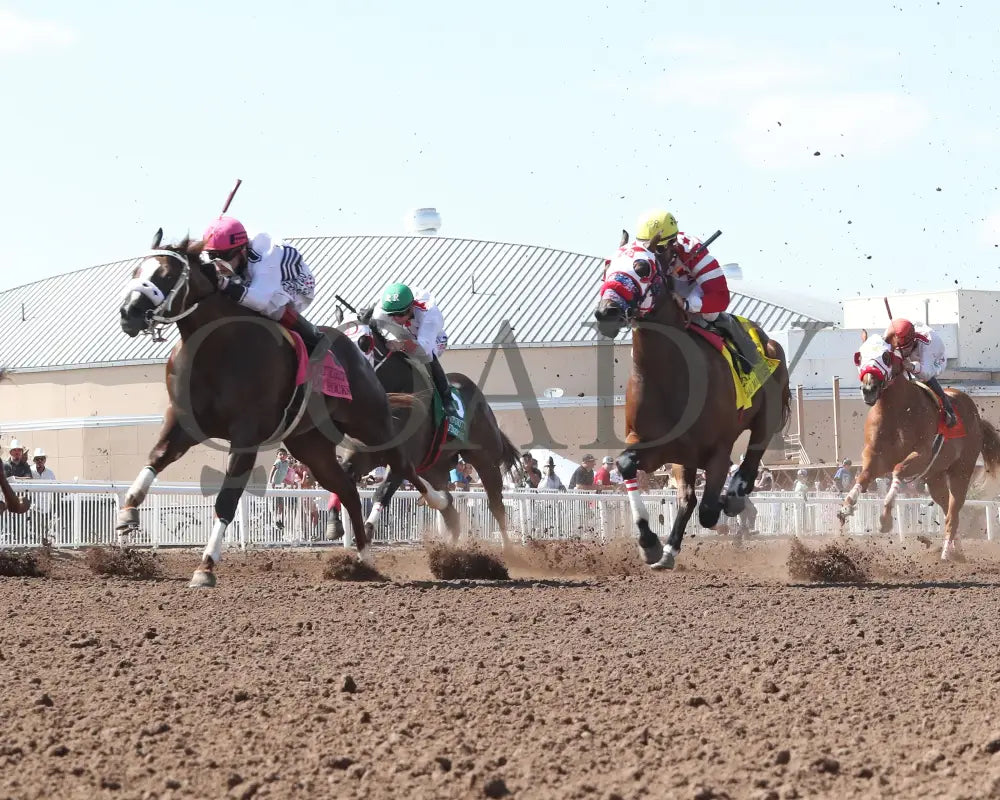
(225, 233)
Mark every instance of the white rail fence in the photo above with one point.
(83, 514)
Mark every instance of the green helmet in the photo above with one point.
(396, 298)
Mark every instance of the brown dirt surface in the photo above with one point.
(727, 678)
(470, 563)
(123, 562)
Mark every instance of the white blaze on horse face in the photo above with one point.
(624, 263)
(869, 358)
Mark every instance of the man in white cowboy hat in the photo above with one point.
(43, 503)
(17, 465)
(39, 471)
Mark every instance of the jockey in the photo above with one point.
(262, 274)
(923, 356)
(415, 312)
(699, 280)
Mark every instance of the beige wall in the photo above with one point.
(118, 452)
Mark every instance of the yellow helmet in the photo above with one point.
(658, 221)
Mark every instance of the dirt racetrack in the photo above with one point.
(585, 676)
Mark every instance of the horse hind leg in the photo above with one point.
(958, 486)
(492, 480)
(320, 456)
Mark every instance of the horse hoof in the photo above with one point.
(652, 554)
(734, 505)
(666, 561)
(708, 516)
(202, 579)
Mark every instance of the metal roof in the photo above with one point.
(548, 297)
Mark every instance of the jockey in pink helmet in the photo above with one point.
(262, 274)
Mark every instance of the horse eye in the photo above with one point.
(642, 268)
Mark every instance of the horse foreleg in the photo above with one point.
(687, 501)
(865, 477)
(237, 474)
(649, 543)
(912, 465)
(173, 443)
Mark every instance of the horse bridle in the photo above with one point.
(155, 317)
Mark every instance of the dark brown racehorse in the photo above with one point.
(485, 447)
(11, 502)
(680, 402)
(902, 439)
(232, 377)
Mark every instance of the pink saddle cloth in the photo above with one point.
(331, 380)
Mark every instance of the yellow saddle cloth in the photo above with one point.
(748, 384)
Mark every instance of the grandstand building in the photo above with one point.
(519, 322)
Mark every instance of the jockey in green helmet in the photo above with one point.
(415, 312)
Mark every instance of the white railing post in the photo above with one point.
(991, 511)
(77, 505)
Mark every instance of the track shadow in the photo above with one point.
(514, 583)
(879, 585)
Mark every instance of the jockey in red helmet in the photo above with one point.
(923, 356)
(262, 274)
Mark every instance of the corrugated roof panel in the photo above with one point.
(546, 295)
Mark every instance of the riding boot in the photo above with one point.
(310, 334)
(442, 386)
(732, 330)
(949, 413)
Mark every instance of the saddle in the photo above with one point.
(738, 341)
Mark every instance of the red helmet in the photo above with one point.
(900, 332)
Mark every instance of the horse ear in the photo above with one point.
(624, 239)
(157, 238)
(864, 335)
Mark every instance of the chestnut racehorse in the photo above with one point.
(232, 376)
(680, 402)
(904, 437)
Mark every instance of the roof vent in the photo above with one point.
(423, 222)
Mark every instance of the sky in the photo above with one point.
(849, 151)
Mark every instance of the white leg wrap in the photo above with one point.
(137, 491)
(435, 499)
(890, 497)
(635, 501)
(376, 512)
(214, 547)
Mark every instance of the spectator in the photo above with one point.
(532, 475)
(765, 480)
(551, 482)
(843, 478)
(17, 465)
(43, 503)
(583, 475)
(279, 469)
(602, 477)
(460, 477)
(801, 486)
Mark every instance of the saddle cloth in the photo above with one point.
(746, 384)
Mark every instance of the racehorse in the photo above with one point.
(905, 436)
(484, 446)
(681, 401)
(233, 376)
(11, 502)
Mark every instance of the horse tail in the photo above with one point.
(991, 448)
(510, 458)
(786, 402)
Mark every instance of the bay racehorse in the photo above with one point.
(484, 445)
(233, 376)
(11, 502)
(905, 436)
(681, 400)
